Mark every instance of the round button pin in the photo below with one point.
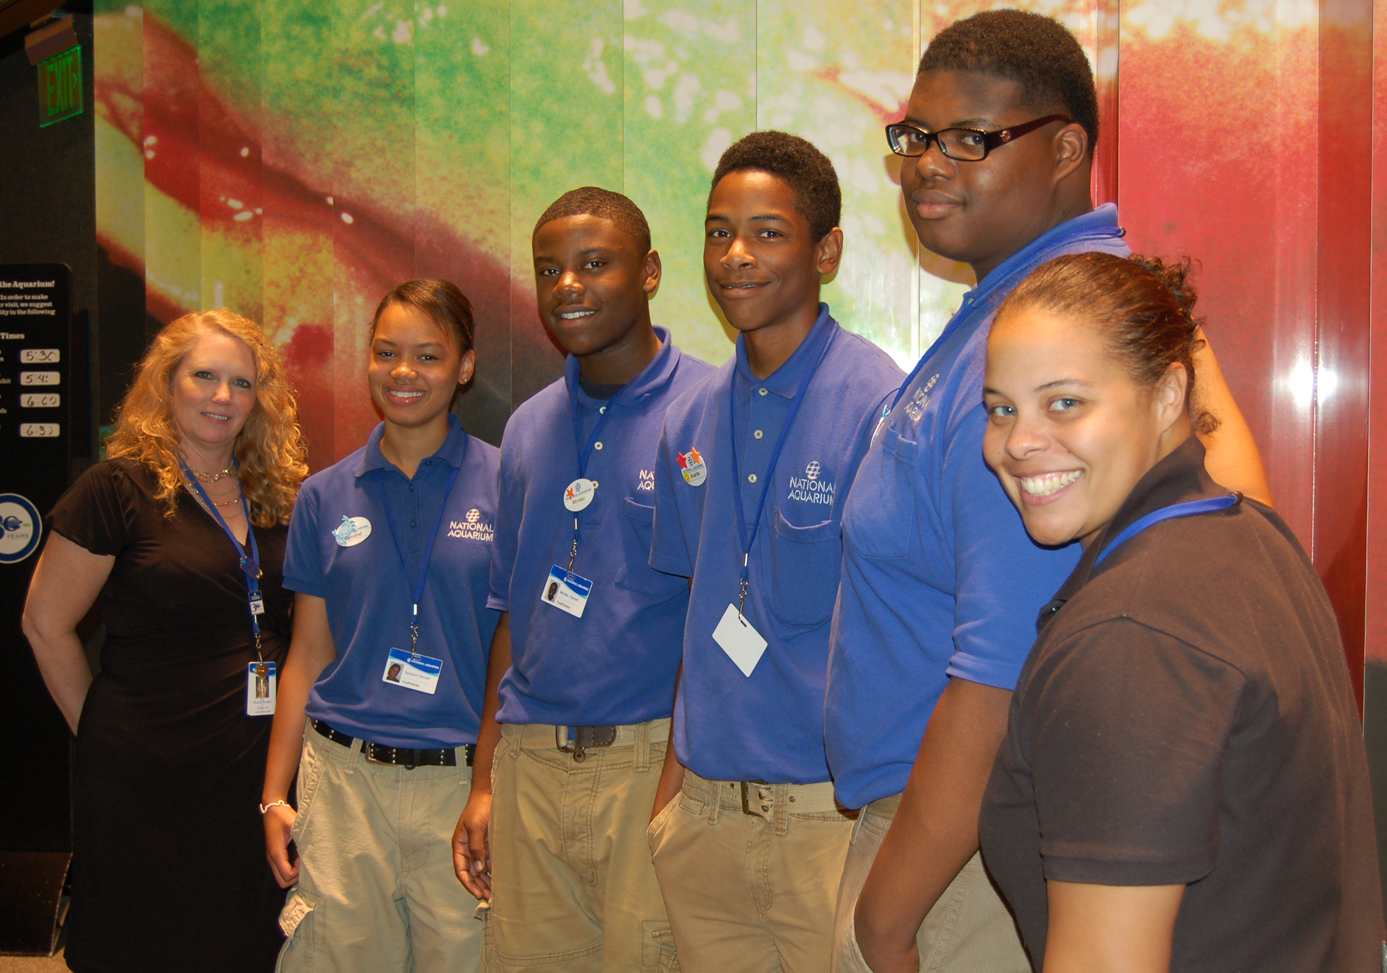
(578, 494)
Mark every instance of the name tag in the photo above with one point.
(737, 637)
(566, 591)
(261, 689)
(417, 672)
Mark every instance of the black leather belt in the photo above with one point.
(379, 753)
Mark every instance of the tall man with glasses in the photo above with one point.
(941, 585)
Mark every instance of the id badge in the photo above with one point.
(262, 686)
(417, 672)
(737, 637)
(566, 591)
(257, 604)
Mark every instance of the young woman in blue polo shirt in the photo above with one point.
(381, 698)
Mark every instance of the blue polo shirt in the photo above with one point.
(940, 578)
(617, 663)
(368, 591)
(769, 725)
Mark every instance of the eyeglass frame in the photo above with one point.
(990, 140)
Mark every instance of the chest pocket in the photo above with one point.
(637, 527)
(806, 563)
(880, 515)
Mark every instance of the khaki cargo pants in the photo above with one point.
(969, 930)
(571, 881)
(376, 889)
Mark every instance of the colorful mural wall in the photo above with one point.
(293, 160)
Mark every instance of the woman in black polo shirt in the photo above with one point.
(1183, 785)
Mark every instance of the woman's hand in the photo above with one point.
(66, 582)
(278, 821)
(471, 838)
(310, 652)
(471, 855)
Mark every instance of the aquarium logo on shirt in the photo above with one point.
(471, 527)
(813, 486)
(920, 399)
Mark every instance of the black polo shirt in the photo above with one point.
(1186, 716)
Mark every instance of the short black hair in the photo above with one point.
(1035, 51)
(604, 204)
(807, 171)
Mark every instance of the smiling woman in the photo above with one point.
(1184, 725)
(388, 663)
(181, 534)
(1114, 401)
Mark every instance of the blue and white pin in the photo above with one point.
(351, 531)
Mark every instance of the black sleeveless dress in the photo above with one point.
(169, 872)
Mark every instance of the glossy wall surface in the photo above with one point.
(293, 160)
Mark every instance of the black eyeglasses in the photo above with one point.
(960, 144)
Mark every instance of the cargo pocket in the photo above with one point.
(302, 926)
(806, 563)
(657, 947)
(637, 527)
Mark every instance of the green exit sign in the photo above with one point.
(60, 87)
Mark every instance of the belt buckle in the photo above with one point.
(393, 760)
(584, 739)
(757, 806)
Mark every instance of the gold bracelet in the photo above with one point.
(266, 807)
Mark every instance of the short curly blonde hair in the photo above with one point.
(269, 449)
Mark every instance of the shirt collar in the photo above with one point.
(1100, 223)
(1178, 478)
(785, 379)
(655, 376)
(452, 451)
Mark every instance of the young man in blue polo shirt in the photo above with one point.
(751, 468)
(941, 585)
(581, 678)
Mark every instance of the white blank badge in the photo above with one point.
(742, 643)
(261, 689)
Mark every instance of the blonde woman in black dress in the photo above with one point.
(181, 534)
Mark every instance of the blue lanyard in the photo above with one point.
(748, 536)
(250, 565)
(418, 593)
(1207, 505)
(604, 412)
